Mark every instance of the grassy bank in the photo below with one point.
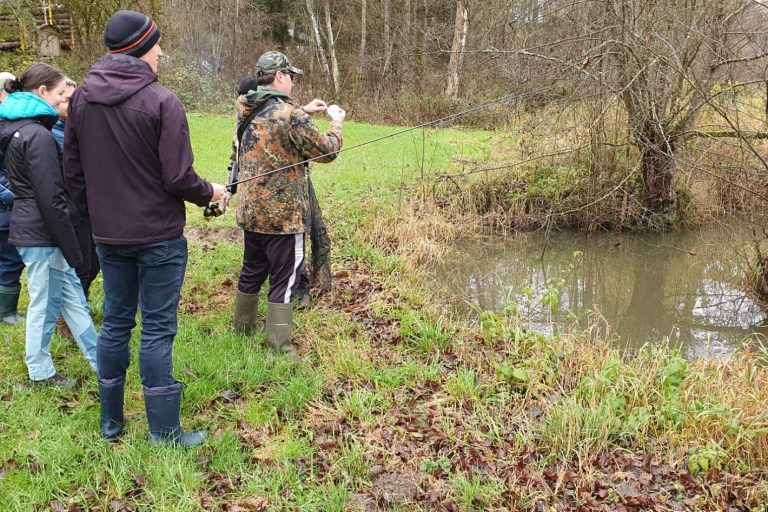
(558, 167)
(398, 406)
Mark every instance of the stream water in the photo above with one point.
(686, 286)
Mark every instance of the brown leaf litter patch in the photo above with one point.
(207, 297)
(212, 237)
(90, 500)
(396, 488)
(354, 292)
(425, 429)
(426, 425)
(221, 490)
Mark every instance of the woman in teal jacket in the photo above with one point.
(42, 220)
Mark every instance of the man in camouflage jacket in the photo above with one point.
(272, 208)
(319, 275)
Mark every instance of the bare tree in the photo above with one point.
(659, 60)
(460, 31)
(89, 18)
(389, 42)
(363, 38)
(329, 37)
(322, 56)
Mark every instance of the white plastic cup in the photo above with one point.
(333, 111)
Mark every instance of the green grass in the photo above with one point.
(486, 417)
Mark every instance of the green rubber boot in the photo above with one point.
(278, 327)
(9, 301)
(246, 312)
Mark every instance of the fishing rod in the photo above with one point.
(214, 210)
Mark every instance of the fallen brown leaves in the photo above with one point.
(210, 237)
(421, 441)
(354, 292)
(207, 297)
(420, 426)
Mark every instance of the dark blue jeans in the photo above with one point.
(10, 262)
(148, 276)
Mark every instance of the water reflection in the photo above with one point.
(685, 286)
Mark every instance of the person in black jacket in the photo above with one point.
(42, 220)
(11, 265)
(128, 167)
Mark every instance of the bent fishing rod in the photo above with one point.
(214, 210)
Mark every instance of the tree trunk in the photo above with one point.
(657, 161)
(236, 30)
(387, 22)
(277, 21)
(331, 48)
(363, 37)
(408, 21)
(389, 42)
(425, 24)
(461, 28)
(534, 11)
(322, 57)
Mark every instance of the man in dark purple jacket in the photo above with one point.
(128, 167)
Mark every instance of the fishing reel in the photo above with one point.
(213, 210)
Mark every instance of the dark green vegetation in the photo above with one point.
(398, 405)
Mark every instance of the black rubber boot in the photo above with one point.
(111, 397)
(163, 407)
(246, 312)
(9, 301)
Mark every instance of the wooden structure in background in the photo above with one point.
(52, 25)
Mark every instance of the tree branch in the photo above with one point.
(718, 65)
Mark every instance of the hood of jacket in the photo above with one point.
(115, 78)
(254, 99)
(26, 105)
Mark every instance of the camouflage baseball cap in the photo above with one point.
(276, 61)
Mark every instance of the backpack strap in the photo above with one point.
(245, 122)
(235, 176)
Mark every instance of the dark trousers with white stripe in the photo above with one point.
(277, 257)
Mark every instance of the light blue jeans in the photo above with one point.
(54, 289)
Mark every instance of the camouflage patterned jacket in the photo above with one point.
(282, 134)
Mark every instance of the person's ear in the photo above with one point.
(41, 90)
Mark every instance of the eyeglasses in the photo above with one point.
(289, 73)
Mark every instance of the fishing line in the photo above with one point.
(399, 132)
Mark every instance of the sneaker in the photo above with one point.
(58, 381)
(13, 318)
